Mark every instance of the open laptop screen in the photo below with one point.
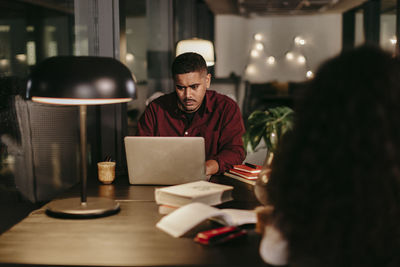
(165, 160)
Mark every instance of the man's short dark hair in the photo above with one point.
(188, 62)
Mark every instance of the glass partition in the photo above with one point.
(134, 50)
(29, 32)
(359, 37)
(388, 38)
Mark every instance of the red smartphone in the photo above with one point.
(219, 235)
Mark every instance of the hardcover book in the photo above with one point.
(199, 191)
(246, 168)
(242, 179)
(248, 175)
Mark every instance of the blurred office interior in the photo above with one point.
(264, 49)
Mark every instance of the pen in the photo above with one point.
(250, 165)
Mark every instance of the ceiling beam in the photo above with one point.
(223, 6)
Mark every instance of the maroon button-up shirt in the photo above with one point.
(218, 120)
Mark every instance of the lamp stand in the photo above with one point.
(83, 207)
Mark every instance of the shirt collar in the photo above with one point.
(208, 101)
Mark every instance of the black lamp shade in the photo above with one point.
(83, 78)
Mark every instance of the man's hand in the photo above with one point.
(212, 167)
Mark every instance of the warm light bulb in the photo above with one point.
(20, 57)
(299, 41)
(271, 60)
(310, 74)
(255, 53)
(4, 62)
(289, 56)
(393, 40)
(258, 37)
(251, 70)
(259, 46)
(301, 59)
(129, 57)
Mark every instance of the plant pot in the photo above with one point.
(260, 188)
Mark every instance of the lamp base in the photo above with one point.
(74, 208)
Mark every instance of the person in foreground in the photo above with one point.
(335, 182)
(192, 110)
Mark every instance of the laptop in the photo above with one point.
(165, 160)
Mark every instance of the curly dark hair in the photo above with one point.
(335, 182)
(188, 62)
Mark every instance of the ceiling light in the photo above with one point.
(4, 62)
(200, 46)
(21, 57)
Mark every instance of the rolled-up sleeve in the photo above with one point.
(230, 144)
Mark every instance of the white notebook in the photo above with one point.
(182, 220)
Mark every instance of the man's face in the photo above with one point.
(191, 88)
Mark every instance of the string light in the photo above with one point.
(299, 41)
(393, 40)
(271, 60)
(259, 46)
(289, 56)
(258, 37)
(301, 59)
(293, 55)
(255, 53)
(251, 70)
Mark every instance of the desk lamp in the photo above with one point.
(200, 46)
(81, 81)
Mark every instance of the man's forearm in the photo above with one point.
(228, 157)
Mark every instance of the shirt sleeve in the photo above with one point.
(147, 122)
(273, 247)
(230, 148)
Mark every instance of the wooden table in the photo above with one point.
(128, 238)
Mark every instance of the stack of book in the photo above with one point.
(171, 198)
(247, 173)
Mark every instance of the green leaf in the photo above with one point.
(270, 125)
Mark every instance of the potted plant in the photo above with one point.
(269, 125)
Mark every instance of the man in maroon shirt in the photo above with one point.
(192, 110)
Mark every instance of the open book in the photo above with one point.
(182, 220)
